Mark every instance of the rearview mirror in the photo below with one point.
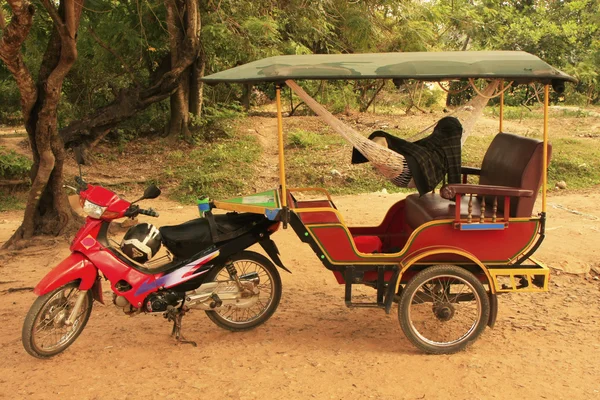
(151, 192)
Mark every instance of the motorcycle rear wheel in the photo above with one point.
(243, 319)
(45, 332)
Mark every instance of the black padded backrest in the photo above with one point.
(514, 161)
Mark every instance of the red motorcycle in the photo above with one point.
(206, 266)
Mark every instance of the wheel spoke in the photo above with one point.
(263, 298)
(50, 331)
(436, 314)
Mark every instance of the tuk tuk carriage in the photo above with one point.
(443, 256)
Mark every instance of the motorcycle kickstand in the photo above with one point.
(175, 315)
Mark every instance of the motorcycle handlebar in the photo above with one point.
(134, 210)
(150, 212)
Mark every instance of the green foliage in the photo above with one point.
(125, 44)
(397, 101)
(13, 165)
(10, 114)
(336, 96)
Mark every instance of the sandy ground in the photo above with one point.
(543, 346)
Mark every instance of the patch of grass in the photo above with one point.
(573, 113)
(12, 201)
(301, 139)
(13, 165)
(536, 112)
(575, 161)
(474, 149)
(515, 112)
(218, 169)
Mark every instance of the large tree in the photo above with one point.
(162, 79)
(47, 210)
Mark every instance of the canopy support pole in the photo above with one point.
(501, 105)
(545, 150)
(281, 157)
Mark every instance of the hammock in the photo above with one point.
(390, 164)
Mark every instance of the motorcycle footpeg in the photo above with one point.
(217, 302)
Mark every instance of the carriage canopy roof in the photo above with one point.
(516, 66)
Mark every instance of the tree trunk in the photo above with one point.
(197, 86)
(246, 94)
(47, 210)
(180, 18)
(179, 120)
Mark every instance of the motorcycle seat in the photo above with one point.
(191, 237)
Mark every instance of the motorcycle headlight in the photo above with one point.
(93, 210)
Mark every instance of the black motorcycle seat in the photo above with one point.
(191, 237)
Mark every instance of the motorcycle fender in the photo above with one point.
(271, 249)
(74, 267)
(97, 291)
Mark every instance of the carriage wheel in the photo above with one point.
(443, 309)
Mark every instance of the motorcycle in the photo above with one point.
(206, 267)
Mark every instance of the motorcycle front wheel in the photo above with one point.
(45, 330)
(242, 319)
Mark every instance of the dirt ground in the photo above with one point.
(543, 345)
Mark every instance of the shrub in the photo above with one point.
(13, 165)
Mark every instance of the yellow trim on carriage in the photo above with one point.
(545, 150)
(281, 154)
(445, 250)
(312, 189)
(223, 205)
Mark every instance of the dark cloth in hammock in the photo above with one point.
(429, 159)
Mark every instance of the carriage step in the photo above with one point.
(521, 278)
(385, 292)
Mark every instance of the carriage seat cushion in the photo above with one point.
(368, 244)
(432, 206)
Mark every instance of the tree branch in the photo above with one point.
(68, 42)
(53, 12)
(72, 17)
(2, 21)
